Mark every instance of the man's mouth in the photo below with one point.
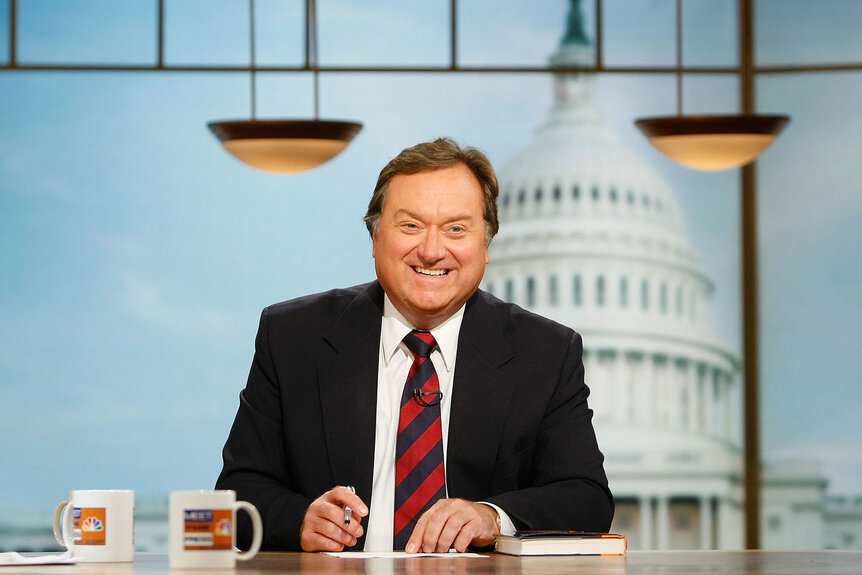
(427, 272)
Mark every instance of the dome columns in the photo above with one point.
(651, 389)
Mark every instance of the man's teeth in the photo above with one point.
(423, 271)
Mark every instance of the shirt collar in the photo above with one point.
(395, 327)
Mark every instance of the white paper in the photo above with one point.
(396, 554)
(14, 558)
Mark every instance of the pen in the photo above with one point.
(348, 512)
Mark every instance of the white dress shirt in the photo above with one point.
(393, 366)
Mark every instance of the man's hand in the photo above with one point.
(453, 523)
(324, 529)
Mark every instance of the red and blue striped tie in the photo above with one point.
(420, 479)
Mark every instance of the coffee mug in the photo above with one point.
(202, 533)
(97, 524)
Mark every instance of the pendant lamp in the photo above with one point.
(709, 142)
(285, 146)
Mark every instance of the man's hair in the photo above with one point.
(436, 155)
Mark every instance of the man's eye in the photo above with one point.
(456, 229)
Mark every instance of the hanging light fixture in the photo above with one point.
(709, 142)
(285, 146)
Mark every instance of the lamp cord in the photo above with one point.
(311, 8)
(679, 57)
(252, 57)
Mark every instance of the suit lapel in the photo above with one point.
(347, 379)
(479, 401)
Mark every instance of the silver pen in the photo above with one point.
(348, 512)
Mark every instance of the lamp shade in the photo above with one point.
(284, 146)
(712, 143)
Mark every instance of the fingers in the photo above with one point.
(325, 528)
(453, 523)
(346, 496)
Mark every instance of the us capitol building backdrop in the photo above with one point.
(592, 236)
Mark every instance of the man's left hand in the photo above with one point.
(453, 523)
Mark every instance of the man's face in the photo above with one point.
(430, 251)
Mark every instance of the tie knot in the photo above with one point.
(421, 343)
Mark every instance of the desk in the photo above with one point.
(635, 563)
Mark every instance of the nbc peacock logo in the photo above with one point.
(224, 527)
(92, 524)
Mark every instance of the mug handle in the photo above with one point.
(60, 521)
(257, 524)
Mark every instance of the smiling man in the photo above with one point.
(452, 415)
(430, 247)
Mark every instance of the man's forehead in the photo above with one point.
(456, 167)
(465, 183)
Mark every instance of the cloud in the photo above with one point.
(142, 298)
(840, 462)
(160, 289)
(809, 177)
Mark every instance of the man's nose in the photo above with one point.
(431, 249)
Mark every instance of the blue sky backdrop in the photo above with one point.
(136, 255)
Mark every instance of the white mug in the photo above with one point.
(97, 524)
(202, 533)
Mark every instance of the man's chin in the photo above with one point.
(426, 316)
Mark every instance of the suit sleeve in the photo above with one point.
(254, 456)
(564, 485)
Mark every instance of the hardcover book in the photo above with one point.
(561, 543)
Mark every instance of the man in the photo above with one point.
(506, 440)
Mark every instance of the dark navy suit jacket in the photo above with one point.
(520, 431)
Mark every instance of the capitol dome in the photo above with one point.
(592, 236)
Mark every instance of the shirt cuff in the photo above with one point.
(506, 525)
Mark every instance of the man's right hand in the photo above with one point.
(324, 529)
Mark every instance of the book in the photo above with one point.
(561, 543)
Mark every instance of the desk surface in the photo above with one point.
(635, 563)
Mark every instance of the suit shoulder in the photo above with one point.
(519, 321)
(316, 309)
